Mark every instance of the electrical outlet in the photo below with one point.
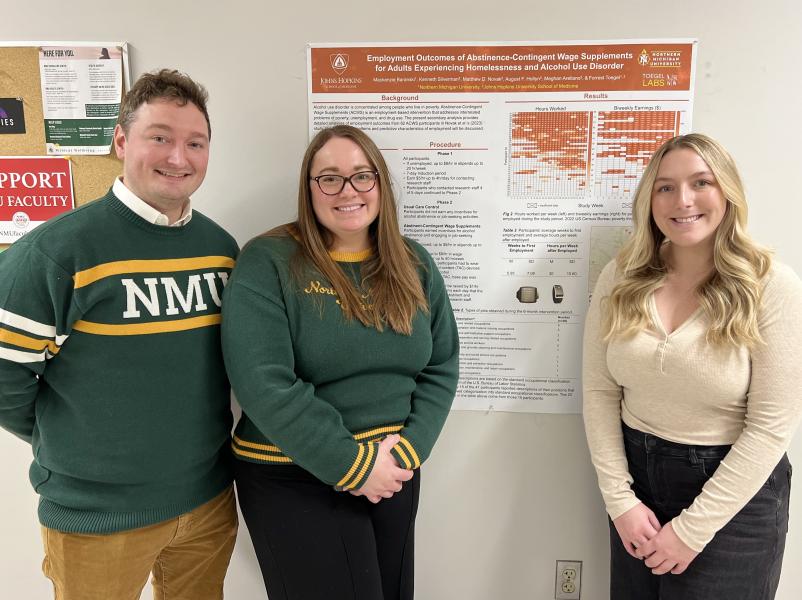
(568, 581)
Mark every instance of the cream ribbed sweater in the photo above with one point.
(680, 388)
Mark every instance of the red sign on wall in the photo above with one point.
(32, 190)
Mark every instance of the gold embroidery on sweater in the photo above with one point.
(315, 287)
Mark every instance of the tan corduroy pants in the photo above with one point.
(188, 556)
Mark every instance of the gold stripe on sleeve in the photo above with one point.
(354, 466)
(364, 468)
(403, 455)
(262, 457)
(411, 450)
(255, 446)
(378, 431)
(23, 341)
(93, 274)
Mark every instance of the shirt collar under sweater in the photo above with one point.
(145, 210)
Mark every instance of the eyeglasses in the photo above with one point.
(331, 185)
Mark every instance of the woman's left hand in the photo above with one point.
(386, 477)
(666, 552)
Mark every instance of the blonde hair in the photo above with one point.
(391, 272)
(730, 297)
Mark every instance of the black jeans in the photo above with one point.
(314, 543)
(743, 560)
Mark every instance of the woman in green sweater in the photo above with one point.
(342, 350)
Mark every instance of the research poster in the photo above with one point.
(515, 165)
(82, 88)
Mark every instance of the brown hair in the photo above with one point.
(390, 273)
(730, 297)
(166, 84)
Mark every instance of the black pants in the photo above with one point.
(314, 543)
(743, 560)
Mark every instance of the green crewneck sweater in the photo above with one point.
(110, 365)
(321, 391)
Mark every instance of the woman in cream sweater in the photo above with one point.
(692, 388)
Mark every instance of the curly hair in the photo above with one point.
(165, 84)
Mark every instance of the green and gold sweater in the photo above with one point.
(321, 391)
(110, 365)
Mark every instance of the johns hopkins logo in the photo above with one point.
(12, 119)
(339, 62)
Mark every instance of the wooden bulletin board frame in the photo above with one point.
(20, 78)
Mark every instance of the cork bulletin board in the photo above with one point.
(20, 78)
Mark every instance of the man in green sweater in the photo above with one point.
(110, 366)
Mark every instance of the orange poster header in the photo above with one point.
(501, 69)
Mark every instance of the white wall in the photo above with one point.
(504, 494)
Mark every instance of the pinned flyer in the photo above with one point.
(82, 89)
(32, 190)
